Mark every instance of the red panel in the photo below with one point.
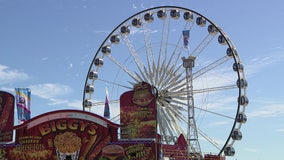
(138, 113)
(69, 133)
(7, 102)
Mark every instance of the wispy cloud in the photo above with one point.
(281, 130)
(268, 110)
(8, 75)
(44, 58)
(253, 150)
(219, 123)
(269, 107)
(100, 31)
(256, 64)
(50, 90)
(53, 92)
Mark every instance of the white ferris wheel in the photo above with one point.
(192, 64)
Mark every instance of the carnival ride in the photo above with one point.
(194, 68)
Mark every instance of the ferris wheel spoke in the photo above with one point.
(160, 73)
(210, 140)
(175, 111)
(168, 130)
(163, 46)
(161, 121)
(165, 36)
(176, 53)
(181, 95)
(180, 102)
(116, 84)
(101, 103)
(214, 89)
(178, 106)
(183, 92)
(177, 85)
(143, 75)
(166, 122)
(174, 123)
(140, 65)
(125, 69)
(133, 52)
(174, 79)
(215, 113)
(148, 42)
(205, 42)
(183, 103)
(168, 67)
(210, 67)
(149, 52)
(169, 75)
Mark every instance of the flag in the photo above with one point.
(185, 34)
(106, 110)
(23, 99)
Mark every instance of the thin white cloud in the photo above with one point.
(44, 58)
(50, 90)
(219, 123)
(100, 31)
(256, 64)
(253, 150)
(75, 103)
(56, 94)
(8, 75)
(268, 110)
(280, 130)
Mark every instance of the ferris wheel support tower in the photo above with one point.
(192, 136)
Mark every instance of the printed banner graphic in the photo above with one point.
(185, 35)
(23, 100)
(106, 109)
(138, 113)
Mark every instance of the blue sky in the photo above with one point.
(48, 46)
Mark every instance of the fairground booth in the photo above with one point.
(78, 135)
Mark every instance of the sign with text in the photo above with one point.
(60, 135)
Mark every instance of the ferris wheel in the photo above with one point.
(192, 64)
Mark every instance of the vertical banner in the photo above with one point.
(7, 102)
(23, 100)
(185, 35)
(106, 109)
(138, 113)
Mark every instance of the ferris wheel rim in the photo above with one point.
(228, 41)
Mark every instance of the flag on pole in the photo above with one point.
(106, 110)
(23, 101)
(185, 34)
